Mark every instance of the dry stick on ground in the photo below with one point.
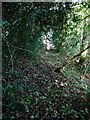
(44, 116)
(80, 53)
(60, 69)
(76, 56)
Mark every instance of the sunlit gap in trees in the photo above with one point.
(47, 40)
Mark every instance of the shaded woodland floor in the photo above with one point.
(36, 92)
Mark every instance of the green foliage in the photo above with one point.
(36, 89)
(31, 88)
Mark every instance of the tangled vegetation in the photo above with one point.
(46, 61)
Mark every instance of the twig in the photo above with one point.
(44, 116)
(87, 68)
(80, 53)
(17, 47)
(73, 58)
(11, 56)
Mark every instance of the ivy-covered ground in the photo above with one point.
(36, 92)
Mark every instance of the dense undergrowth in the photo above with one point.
(35, 92)
(46, 60)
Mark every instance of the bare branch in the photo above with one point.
(18, 47)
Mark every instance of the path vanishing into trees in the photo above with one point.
(39, 92)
